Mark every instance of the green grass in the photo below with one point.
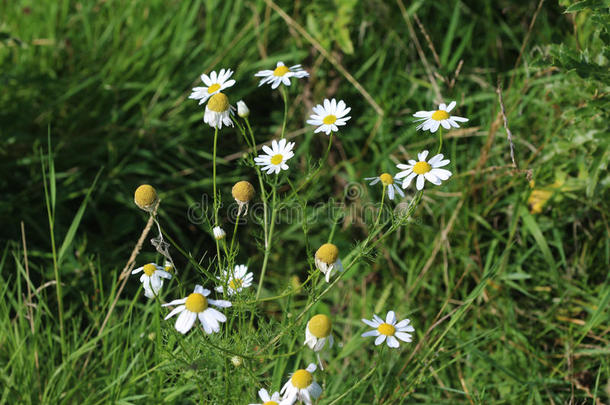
(509, 306)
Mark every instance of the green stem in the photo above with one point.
(440, 140)
(381, 206)
(268, 241)
(214, 177)
(285, 97)
(234, 232)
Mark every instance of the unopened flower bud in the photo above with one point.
(242, 109)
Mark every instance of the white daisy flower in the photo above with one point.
(196, 306)
(433, 119)
(281, 74)
(218, 111)
(389, 330)
(301, 386)
(327, 260)
(152, 279)
(424, 170)
(267, 399)
(236, 280)
(219, 233)
(276, 156)
(392, 184)
(214, 83)
(318, 331)
(329, 116)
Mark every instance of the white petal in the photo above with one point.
(445, 124)
(392, 342)
(422, 155)
(175, 302)
(373, 332)
(390, 318)
(136, 271)
(420, 182)
(407, 181)
(423, 114)
(175, 311)
(405, 337)
(432, 178)
(372, 324)
(311, 367)
(391, 192)
(450, 106)
(379, 340)
(441, 173)
(459, 119)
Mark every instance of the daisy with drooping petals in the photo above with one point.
(219, 233)
(301, 386)
(327, 260)
(389, 330)
(434, 119)
(218, 111)
(318, 331)
(152, 279)
(214, 83)
(236, 280)
(267, 399)
(281, 74)
(276, 156)
(423, 170)
(391, 183)
(168, 266)
(196, 306)
(329, 116)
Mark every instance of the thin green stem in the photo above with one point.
(268, 241)
(234, 232)
(380, 206)
(440, 140)
(214, 177)
(285, 97)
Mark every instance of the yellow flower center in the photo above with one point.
(421, 168)
(301, 379)
(270, 403)
(235, 283)
(386, 329)
(149, 269)
(329, 119)
(218, 103)
(328, 253)
(243, 191)
(440, 115)
(280, 71)
(277, 159)
(145, 196)
(320, 325)
(386, 179)
(213, 88)
(196, 302)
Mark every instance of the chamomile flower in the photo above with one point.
(423, 170)
(218, 111)
(432, 120)
(276, 156)
(329, 116)
(327, 260)
(281, 75)
(318, 331)
(301, 386)
(196, 305)
(391, 183)
(214, 83)
(267, 399)
(152, 278)
(389, 330)
(236, 280)
(219, 233)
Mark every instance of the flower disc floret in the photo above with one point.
(440, 115)
(328, 253)
(149, 269)
(421, 168)
(320, 326)
(219, 102)
(386, 179)
(386, 329)
(145, 196)
(196, 302)
(302, 379)
(280, 71)
(213, 88)
(277, 159)
(243, 191)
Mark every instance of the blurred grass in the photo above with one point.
(111, 79)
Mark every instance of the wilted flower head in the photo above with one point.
(145, 197)
(327, 260)
(243, 192)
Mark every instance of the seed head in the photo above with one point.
(145, 197)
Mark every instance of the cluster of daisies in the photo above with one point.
(327, 117)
